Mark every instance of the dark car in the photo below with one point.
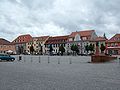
(6, 57)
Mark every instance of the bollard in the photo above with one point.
(31, 58)
(70, 60)
(20, 58)
(24, 59)
(48, 59)
(39, 59)
(58, 60)
(119, 60)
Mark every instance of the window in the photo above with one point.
(70, 39)
(53, 45)
(112, 44)
(84, 38)
(116, 52)
(116, 44)
(108, 45)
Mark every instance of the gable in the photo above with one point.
(77, 37)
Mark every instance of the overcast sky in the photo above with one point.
(58, 17)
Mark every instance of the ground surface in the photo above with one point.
(59, 73)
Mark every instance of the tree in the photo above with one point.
(50, 49)
(75, 49)
(72, 47)
(31, 49)
(102, 48)
(61, 49)
(87, 48)
(91, 47)
(40, 49)
(104, 36)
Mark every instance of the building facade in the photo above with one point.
(99, 40)
(81, 39)
(20, 43)
(38, 44)
(6, 46)
(113, 45)
(56, 42)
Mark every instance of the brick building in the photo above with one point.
(56, 42)
(6, 46)
(113, 45)
(81, 39)
(100, 40)
(20, 43)
(38, 44)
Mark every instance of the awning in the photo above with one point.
(9, 51)
(113, 47)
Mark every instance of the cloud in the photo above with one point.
(58, 17)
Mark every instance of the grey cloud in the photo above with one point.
(57, 17)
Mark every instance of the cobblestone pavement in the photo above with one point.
(59, 73)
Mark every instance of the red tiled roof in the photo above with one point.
(82, 33)
(57, 40)
(86, 33)
(41, 38)
(115, 38)
(23, 39)
(25, 35)
(4, 42)
(100, 39)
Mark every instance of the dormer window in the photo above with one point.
(77, 37)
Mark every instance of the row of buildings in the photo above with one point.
(41, 44)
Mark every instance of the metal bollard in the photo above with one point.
(20, 58)
(39, 59)
(31, 59)
(70, 60)
(48, 59)
(58, 60)
(119, 60)
(24, 59)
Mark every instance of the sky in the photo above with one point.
(58, 17)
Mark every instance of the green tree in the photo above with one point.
(50, 49)
(72, 47)
(76, 49)
(40, 49)
(91, 47)
(61, 49)
(87, 48)
(31, 49)
(102, 48)
(104, 36)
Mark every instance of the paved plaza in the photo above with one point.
(59, 73)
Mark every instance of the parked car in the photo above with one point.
(6, 57)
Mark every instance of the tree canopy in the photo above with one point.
(102, 48)
(50, 48)
(75, 48)
(61, 49)
(31, 49)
